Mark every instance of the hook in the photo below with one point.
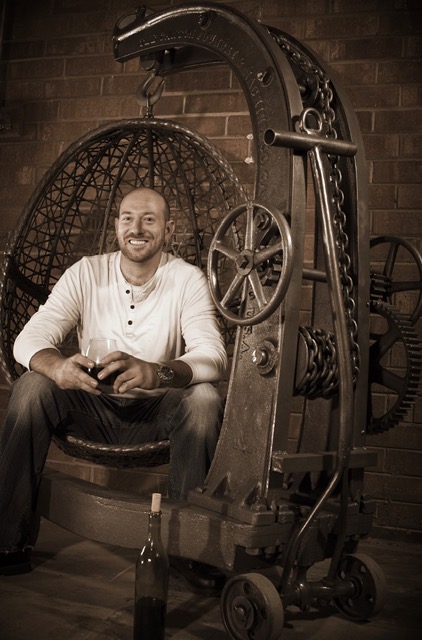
(146, 99)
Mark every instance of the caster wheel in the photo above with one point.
(369, 584)
(251, 608)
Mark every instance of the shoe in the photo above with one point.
(200, 578)
(15, 562)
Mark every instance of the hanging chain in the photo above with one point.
(321, 345)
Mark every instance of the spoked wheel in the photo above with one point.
(251, 608)
(390, 285)
(369, 587)
(254, 244)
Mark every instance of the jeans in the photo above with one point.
(189, 417)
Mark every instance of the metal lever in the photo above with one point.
(310, 140)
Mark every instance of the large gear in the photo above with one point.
(403, 389)
(387, 284)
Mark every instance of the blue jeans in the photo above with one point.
(189, 417)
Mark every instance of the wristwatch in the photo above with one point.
(165, 374)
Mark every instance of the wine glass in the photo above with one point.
(97, 349)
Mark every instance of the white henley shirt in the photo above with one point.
(171, 317)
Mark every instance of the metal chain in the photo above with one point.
(321, 377)
(324, 104)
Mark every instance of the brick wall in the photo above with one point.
(60, 81)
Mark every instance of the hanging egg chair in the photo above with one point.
(71, 214)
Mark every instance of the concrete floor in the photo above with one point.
(83, 590)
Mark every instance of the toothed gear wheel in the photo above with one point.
(397, 334)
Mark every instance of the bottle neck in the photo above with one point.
(154, 525)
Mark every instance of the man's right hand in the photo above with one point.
(67, 373)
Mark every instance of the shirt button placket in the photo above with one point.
(130, 316)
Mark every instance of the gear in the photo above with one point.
(389, 285)
(397, 333)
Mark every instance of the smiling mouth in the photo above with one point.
(137, 243)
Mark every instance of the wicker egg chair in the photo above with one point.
(71, 214)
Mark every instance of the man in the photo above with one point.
(158, 309)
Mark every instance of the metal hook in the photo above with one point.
(146, 99)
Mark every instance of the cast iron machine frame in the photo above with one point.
(264, 510)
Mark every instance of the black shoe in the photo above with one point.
(200, 578)
(15, 562)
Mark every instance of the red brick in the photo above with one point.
(413, 47)
(342, 26)
(129, 108)
(12, 175)
(366, 48)
(191, 81)
(80, 6)
(238, 125)
(132, 66)
(41, 111)
(43, 25)
(169, 105)
(24, 90)
(234, 149)
(83, 108)
(294, 27)
(356, 73)
(93, 44)
(407, 463)
(410, 197)
(215, 103)
(381, 146)
(92, 22)
(245, 173)
(72, 88)
(397, 171)
(382, 486)
(400, 516)
(373, 97)
(400, 22)
(398, 121)
(362, 6)
(16, 197)
(207, 127)
(30, 69)
(285, 8)
(365, 121)
(393, 222)
(120, 7)
(322, 49)
(92, 65)
(411, 96)
(64, 131)
(410, 146)
(247, 7)
(24, 50)
(381, 196)
(121, 85)
(399, 72)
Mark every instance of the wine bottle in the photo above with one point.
(151, 581)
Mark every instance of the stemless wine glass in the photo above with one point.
(97, 349)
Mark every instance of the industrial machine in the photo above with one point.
(307, 331)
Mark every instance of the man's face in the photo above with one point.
(142, 227)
